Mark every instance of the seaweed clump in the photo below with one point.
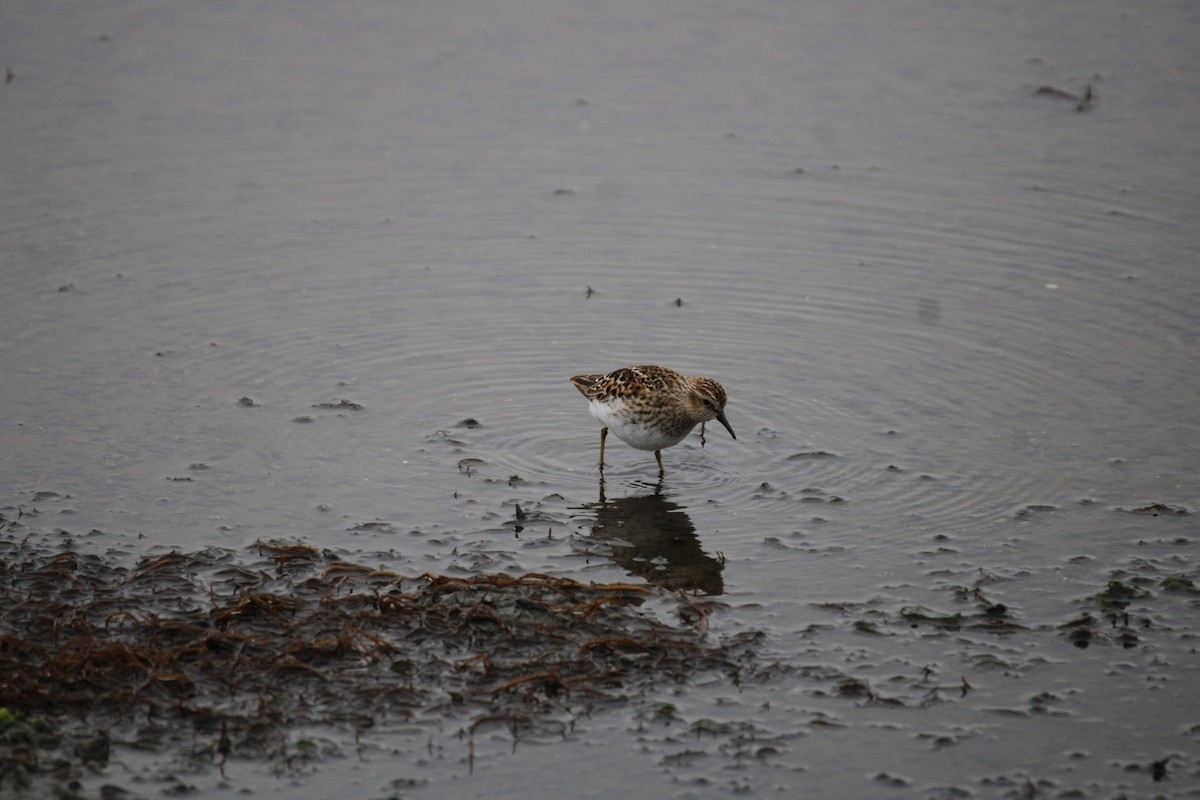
(242, 648)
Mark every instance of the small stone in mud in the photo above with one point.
(468, 464)
(1154, 509)
(303, 418)
(246, 402)
(1179, 583)
(1080, 637)
(853, 687)
(340, 405)
(96, 749)
(470, 422)
(375, 525)
(1033, 508)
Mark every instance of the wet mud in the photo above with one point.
(292, 659)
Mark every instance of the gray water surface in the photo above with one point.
(957, 319)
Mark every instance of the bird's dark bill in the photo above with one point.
(721, 419)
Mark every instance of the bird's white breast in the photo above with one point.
(631, 429)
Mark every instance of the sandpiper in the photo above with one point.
(651, 408)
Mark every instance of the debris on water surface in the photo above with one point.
(1083, 101)
(811, 454)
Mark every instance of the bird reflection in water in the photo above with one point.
(653, 538)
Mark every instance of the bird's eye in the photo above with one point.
(707, 403)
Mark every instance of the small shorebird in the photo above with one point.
(651, 408)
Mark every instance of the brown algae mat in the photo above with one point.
(219, 653)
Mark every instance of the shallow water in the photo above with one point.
(957, 320)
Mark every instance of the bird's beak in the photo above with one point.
(721, 419)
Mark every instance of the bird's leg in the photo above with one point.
(658, 455)
(603, 434)
(702, 434)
